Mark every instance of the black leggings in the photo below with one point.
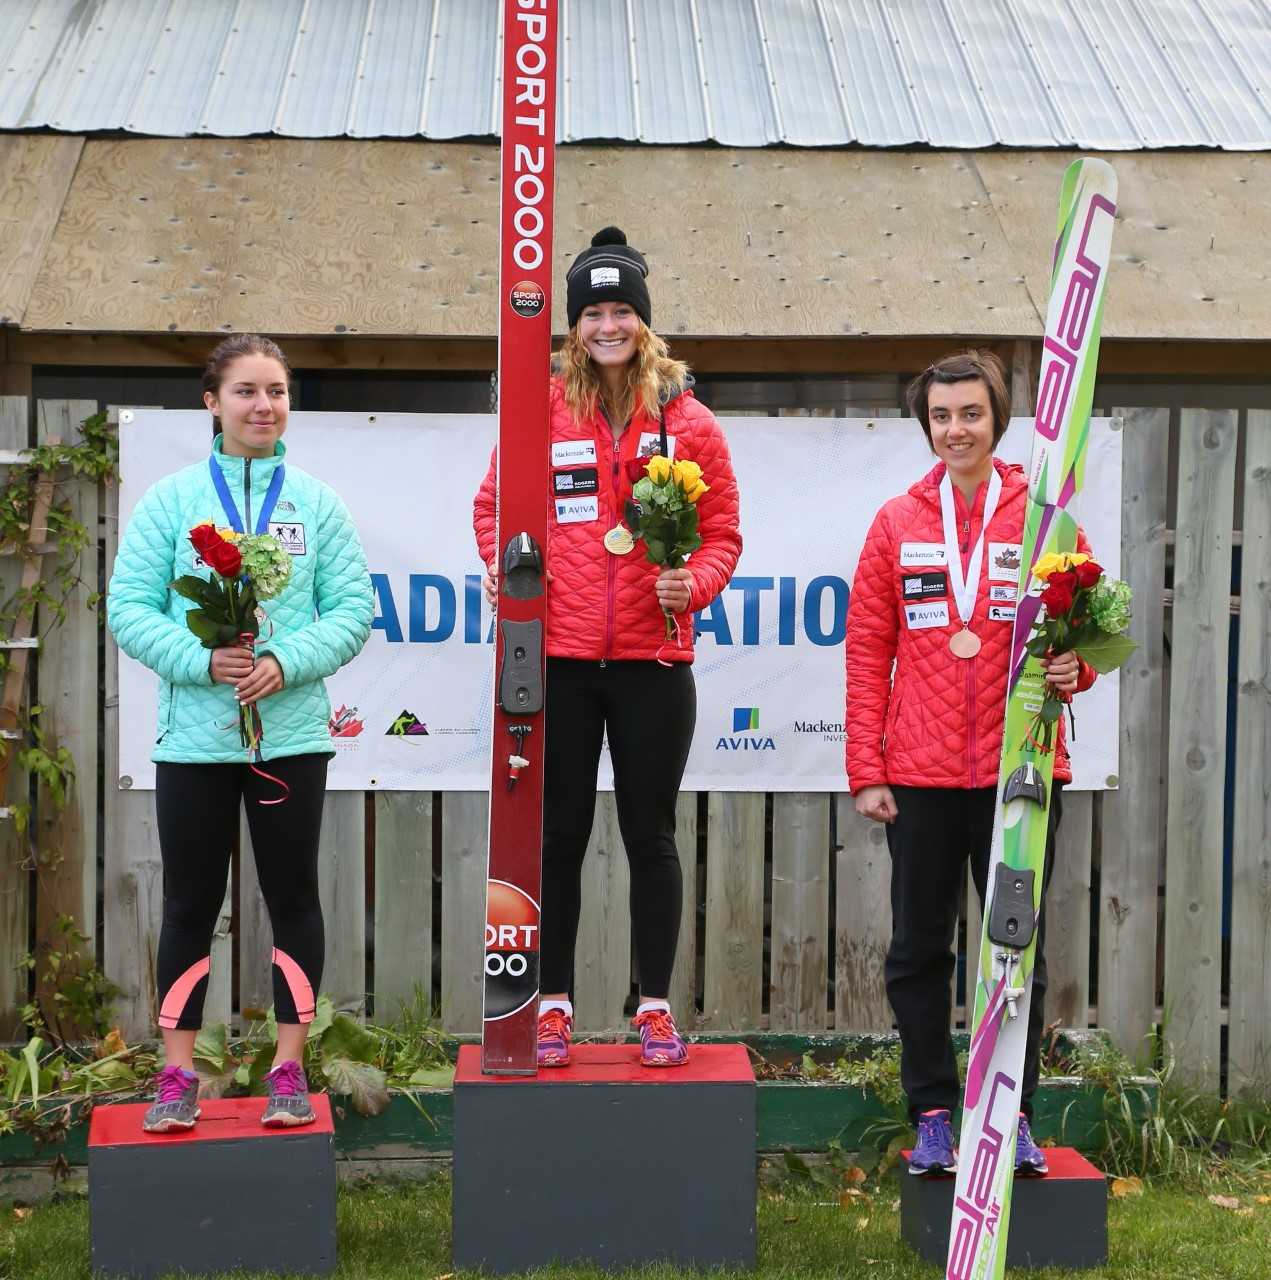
(935, 831)
(648, 712)
(198, 806)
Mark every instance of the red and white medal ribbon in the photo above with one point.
(965, 643)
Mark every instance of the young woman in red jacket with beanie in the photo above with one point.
(618, 398)
(934, 594)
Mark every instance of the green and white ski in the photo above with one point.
(1004, 977)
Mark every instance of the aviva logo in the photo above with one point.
(745, 735)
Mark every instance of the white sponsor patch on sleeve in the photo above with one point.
(1001, 613)
(1004, 561)
(576, 510)
(566, 453)
(1002, 595)
(913, 554)
(921, 617)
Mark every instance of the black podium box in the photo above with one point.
(1060, 1220)
(606, 1161)
(227, 1194)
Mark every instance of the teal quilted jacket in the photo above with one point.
(319, 622)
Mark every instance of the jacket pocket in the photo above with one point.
(895, 706)
(167, 695)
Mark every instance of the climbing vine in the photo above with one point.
(73, 996)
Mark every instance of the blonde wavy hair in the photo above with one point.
(653, 377)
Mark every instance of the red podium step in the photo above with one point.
(575, 1163)
(227, 1194)
(1060, 1220)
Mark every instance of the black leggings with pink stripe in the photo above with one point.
(198, 807)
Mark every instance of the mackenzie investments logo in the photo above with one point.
(745, 735)
(827, 730)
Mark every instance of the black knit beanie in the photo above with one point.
(610, 271)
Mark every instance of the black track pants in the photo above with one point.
(935, 831)
(648, 712)
(198, 807)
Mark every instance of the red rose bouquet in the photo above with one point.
(245, 571)
(1087, 613)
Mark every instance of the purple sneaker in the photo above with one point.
(934, 1151)
(554, 1027)
(660, 1044)
(288, 1103)
(176, 1102)
(1030, 1159)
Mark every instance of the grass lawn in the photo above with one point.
(401, 1231)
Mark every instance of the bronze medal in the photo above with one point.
(964, 643)
(618, 541)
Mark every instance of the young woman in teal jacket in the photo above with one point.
(319, 621)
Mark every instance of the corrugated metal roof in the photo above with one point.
(1099, 74)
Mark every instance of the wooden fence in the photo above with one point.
(786, 914)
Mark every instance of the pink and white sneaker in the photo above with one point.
(554, 1027)
(661, 1045)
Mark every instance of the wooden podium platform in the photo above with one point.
(1060, 1220)
(227, 1194)
(606, 1161)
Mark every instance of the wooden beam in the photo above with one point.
(35, 176)
(1198, 743)
(761, 357)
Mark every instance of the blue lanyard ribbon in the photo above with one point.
(231, 507)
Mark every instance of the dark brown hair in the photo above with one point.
(230, 349)
(963, 367)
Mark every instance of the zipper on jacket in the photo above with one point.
(247, 495)
(972, 746)
(611, 568)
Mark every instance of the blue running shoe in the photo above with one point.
(1030, 1159)
(934, 1151)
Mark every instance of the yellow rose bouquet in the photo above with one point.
(663, 512)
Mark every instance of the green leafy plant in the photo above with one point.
(73, 995)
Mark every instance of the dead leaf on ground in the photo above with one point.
(1127, 1187)
(895, 1204)
(795, 1218)
(1225, 1202)
(1262, 1199)
(854, 1176)
(862, 1223)
(849, 1194)
(113, 1042)
(20, 1212)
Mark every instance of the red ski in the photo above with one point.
(526, 190)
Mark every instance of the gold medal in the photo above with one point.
(964, 644)
(618, 541)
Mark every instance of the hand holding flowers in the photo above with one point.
(1087, 614)
(227, 615)
(663, 511)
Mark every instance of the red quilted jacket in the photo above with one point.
(602, 606)
(938, 722)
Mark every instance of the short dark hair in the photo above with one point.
(964, 366)
(228, 350)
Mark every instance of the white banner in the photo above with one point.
(412, 713)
